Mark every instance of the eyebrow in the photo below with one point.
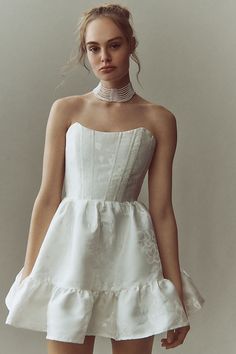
(112, 39)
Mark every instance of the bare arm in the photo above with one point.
(49, 195)
(160, 198)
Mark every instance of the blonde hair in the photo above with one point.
(120, 15)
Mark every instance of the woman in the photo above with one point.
(94, 265)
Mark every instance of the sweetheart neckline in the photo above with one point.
(113, 132)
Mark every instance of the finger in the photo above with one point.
(178, 340)
(184, 330)
(170, 336)
(175, 343)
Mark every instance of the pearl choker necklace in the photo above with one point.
(114, 94)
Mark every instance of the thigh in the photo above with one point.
(58, 347)
(133, 346)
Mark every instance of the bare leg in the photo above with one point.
(133, 346)
(58, 347)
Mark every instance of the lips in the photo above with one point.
(107, 67)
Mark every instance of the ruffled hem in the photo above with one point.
(69, 314)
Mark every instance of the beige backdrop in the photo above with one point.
(188, 53)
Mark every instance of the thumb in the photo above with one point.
(170, 336)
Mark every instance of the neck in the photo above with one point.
(119, 93)
(116, 83)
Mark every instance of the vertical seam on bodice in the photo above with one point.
(114, 163)
(135, 133)
(82, 165)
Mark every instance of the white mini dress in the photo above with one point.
(98, 271)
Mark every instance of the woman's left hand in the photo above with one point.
(175, 337)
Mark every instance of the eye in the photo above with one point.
(93, 49)
(115, 45)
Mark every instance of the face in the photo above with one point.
(107, 46)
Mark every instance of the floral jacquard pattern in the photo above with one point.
(98, 270)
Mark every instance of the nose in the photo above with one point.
(105, 56)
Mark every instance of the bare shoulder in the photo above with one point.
(158, 116)
(64, 108)
(161, 115)
(69, 103)
(163, 121)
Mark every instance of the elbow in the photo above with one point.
(47, 199)
(162, 213)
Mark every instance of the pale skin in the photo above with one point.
(111, 117)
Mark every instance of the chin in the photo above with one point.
(108, 76)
